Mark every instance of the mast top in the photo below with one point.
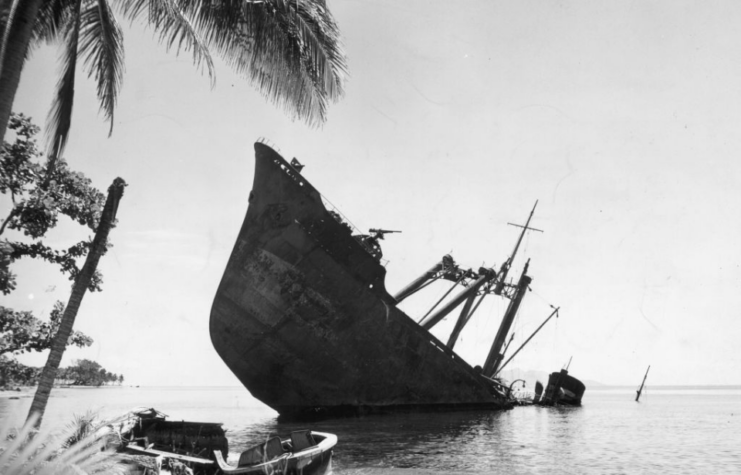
(504, 269)
(526, 227)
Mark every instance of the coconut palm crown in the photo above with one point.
(290, 50)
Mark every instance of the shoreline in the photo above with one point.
(21, 392)
(18, 393)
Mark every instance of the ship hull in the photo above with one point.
(304, 321)
(563, 389)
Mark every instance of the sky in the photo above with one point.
(620, 119)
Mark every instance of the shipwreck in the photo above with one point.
(303, 318)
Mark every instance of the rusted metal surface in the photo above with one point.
(303, 319)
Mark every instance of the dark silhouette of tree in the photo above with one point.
(39, 194)
(82, 282)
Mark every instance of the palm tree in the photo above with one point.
(16, 27)
(288, 49)
(82, 281)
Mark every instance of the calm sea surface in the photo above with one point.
(672, 430)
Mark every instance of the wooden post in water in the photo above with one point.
(638, 393)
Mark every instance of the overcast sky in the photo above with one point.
(621, 118)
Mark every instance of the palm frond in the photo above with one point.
(24, 451)
(174, 28)
(101, 45)
(60, 114)
(290, 50)
(50, 20)
(81, 427)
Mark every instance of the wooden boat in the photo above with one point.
(305, 452)
(147, 431)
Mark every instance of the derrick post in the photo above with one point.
(485, 275)
(462, 320)
(418, 282)
(495, 355)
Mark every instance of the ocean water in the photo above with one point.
(672, 430)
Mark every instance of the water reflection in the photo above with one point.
(457, 441)
(674, 431)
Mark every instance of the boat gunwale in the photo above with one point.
(325, 445)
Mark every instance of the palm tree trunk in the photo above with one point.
(16, 38)
(38, 406)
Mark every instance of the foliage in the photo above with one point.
(81, 373)
(290, 51)
(39, 193)
(21, 332)
(87, 373)
(7, 278)
(80, 428)
(24, 451)
(13, 373)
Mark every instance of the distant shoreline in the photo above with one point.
(22, 392)
(29, 391)
(668, 386)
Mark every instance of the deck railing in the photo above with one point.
(333, 210)
(354, 231)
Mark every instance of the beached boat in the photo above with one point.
(147, 432)
(305, 453)
(303, 318)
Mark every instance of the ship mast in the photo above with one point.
(508, 263)
(480, 283)
(638, 393)
(501, 367)
(499, 284)
(495, 356)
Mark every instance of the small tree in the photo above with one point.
(82, 283)
(89, 373)
(14, 373)
(21, 332)
(38, 195)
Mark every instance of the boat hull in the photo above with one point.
(563, 389)
(304, 321)
(314, 460)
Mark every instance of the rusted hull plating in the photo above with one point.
(303, 319)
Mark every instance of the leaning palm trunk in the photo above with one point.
(38, 406)
(17, 32)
